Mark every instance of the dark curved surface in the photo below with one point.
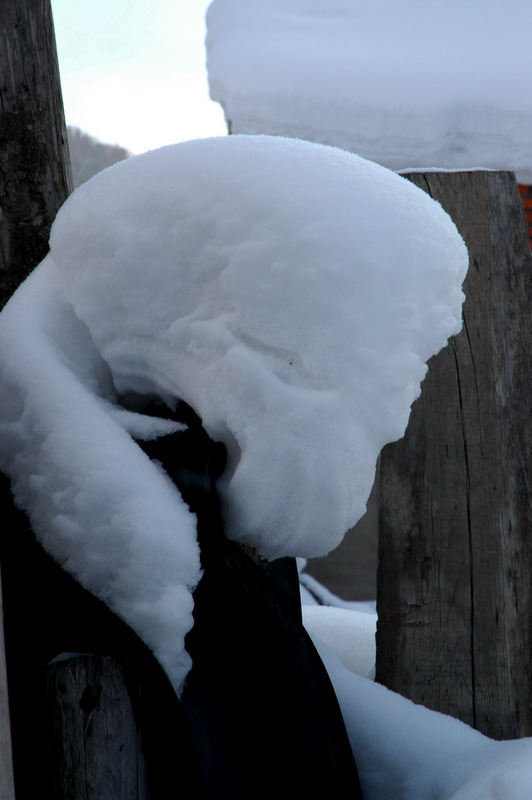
(258, 715)
(47, 613)
(258, 700)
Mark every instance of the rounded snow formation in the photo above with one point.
(290, 292)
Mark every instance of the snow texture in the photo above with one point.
(96, 502)
(317, 593)
(410, 84)
(346, 627)
(289, 292)
(402, 750)
(406, 752)
(348, 633)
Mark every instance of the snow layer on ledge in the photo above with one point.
(407, 84)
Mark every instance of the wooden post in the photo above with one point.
(93, 741)
(455, 577)
(34, 164)
(34, 181)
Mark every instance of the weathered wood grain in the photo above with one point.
(455, 577)
(34, 181)
(94, 742)
(34, 162)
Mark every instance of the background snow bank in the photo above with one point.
(408, 84)
(289, 292)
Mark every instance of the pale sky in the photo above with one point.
(133, 71)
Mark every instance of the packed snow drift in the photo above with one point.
(413, 84)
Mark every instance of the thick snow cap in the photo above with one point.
(290, 292)
(407, 83)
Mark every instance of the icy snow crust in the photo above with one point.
(410, 84)
(288, 291)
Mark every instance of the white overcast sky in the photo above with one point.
(133, 71)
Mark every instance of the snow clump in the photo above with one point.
(289, 292)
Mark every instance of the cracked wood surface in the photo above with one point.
(34, 162)
(94, 738)
(34, 181)
(455, 578)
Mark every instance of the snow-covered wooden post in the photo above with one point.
(34, 181)
(455, 584)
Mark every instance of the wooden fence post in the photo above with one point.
(34, 164)
(93, 740)
(455, 577)
(34, 181)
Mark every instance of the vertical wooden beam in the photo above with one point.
(34, 182)
(455, 577)
(34, 162)
(94, 741)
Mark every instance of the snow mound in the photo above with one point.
(410, 84)
(289, 292)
